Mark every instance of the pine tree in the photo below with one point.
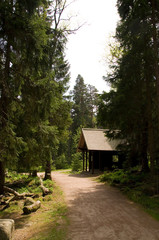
(92, 101)
(79, 109)
(51, 112)
(84, 109)
(84, 104)
(17, 33)
(130, 106)
(34, 77)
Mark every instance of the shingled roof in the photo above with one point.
(95, 140)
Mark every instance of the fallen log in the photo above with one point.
(32, 208)
(18, 195)
(45, 190)
(14, 196)
(7, 203)
(28, 201)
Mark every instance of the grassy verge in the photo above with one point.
(52, 219)
(47, 223)
(68, 171)
(139, 187)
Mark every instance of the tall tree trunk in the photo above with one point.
(151, 144)
(154, 4)
(151, 137)
(2, 177)
(155, 47)
(48, 170)
(4, 102)
(144, 149)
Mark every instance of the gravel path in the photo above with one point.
(100, 212)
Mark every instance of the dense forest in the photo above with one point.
(132, 105)
(34, 115)
(40, 121)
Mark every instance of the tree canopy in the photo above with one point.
(132, 104)
(33, 79)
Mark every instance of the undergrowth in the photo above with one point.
(140, 187)
(50, 221)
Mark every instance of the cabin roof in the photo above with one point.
(96, 140)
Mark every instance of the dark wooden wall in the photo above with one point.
(103, 160)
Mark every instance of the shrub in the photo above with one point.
(61, 162)
(123, 177)
(76, 162)
(117, 176)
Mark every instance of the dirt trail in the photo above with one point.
(101, 212)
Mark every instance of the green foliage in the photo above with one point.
(26, 183)
(34, 74)
(75, 139)
(83, 112)
(117, 176)
(49, 184)
(84, 104)
(76, 162)
(14, 176)
(123, 177)
(61, 162)
(32, 187)
(23, 182)
(131, 106)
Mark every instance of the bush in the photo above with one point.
(61, 162)
(76, 162)
(123, 177)
(117, 176)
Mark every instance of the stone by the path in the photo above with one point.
(6, 229)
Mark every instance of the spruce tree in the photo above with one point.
(17, 34)
(131, 105)
(34, 77)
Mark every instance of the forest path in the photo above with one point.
(100, 212)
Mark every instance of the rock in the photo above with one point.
(6, 229)
(28, 201)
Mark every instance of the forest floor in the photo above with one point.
(49, 222)
(97, 211)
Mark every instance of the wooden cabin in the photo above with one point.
(100, 152)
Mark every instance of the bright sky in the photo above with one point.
(87, 48)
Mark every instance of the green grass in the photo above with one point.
(54, 234)
(68, 171)
(139, 187)
(149, 203)
(55, 221)
(50, 221)
(62, 170)
(14, 176)
(55, 224)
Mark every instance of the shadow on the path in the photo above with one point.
(103, 212)
(85, 175)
